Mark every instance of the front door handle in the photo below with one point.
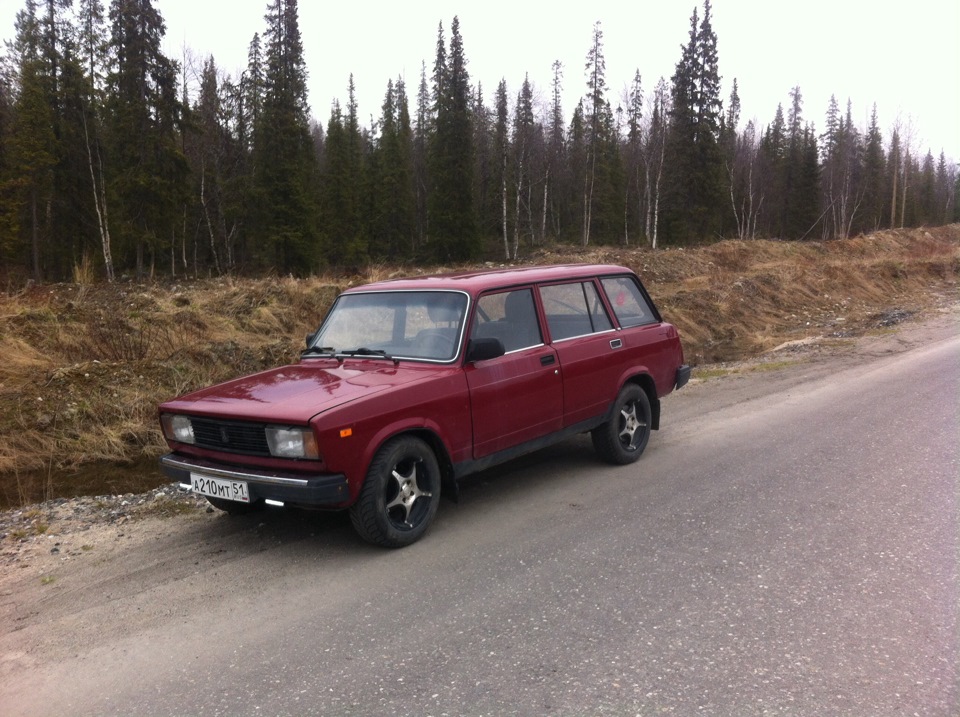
(547, 360)
(616, 343)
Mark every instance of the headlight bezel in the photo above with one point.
(178, 427)
(297, 442)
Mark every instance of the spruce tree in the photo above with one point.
(422, 139)
(842, 160)
(391, 216)
(944, 191)
(894, 168)
(873, 179)
(595, 125)
(773, 157)
(147, 168)
(285, 169)
(695, 180)
(453, 233)
(801, 194)
(32, 148)
(556, 171)
(486, 167)
(253, 91)
(502, 151)
(633, 160)
(578, 167)
(524, 139)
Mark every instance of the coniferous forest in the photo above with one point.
(112, 164)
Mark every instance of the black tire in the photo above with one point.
(622, 439)
(234, 507)
(400, 494)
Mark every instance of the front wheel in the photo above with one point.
(400, 494)
(622, 439)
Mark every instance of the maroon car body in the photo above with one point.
(414, 383)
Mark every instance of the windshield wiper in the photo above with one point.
(319, 351)
(364, 351)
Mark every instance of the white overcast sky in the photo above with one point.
(905, 56)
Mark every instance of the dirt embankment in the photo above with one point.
(85, 366)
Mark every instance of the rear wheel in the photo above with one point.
(400, 494)
(622, 439)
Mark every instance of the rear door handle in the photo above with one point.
(547, 360)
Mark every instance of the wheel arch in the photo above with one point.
(645, 381)
(432, 438)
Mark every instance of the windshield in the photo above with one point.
(395, 324)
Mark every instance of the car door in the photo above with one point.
(517, 397)
(589, 350)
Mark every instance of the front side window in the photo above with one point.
(510, 316)
(573, 310)
(629, 304)
(399, 324)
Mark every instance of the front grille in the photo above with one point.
(230, 436)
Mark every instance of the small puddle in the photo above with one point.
(98, 479)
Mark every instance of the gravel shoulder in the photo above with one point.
(76, 572)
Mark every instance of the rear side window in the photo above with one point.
(573, 310)
(628, 303)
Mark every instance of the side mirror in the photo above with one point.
(484, 349)
(311, 338)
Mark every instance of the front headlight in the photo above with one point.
(177, 428)
(292, 442)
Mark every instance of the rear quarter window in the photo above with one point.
(628, 302)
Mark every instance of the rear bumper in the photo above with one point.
(683, 375)
(328, 490)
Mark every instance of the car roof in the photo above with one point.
(475, 282)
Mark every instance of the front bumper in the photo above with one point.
(683, 375)
(327, 490)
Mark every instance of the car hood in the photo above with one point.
(295, 394)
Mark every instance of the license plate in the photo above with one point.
(220, 488)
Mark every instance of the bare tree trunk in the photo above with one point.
(649, 204)
(533, 231)
(733, 202)
(515, 250)
(35, 236)
(626, 216)
(543, 219)
(99, 202)
(893, 199)
(183, 246)
(503, 195)
(903, 201)
(640, 197)
(656, 193)
(756, 215)
(588, 199)
(206, 216)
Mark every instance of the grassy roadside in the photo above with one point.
(84, 366)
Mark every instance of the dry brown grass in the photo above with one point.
(84, 365)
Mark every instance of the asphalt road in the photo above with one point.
(788, 545)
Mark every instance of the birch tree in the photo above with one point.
(653, 159)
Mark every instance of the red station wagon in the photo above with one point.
(411, 384)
